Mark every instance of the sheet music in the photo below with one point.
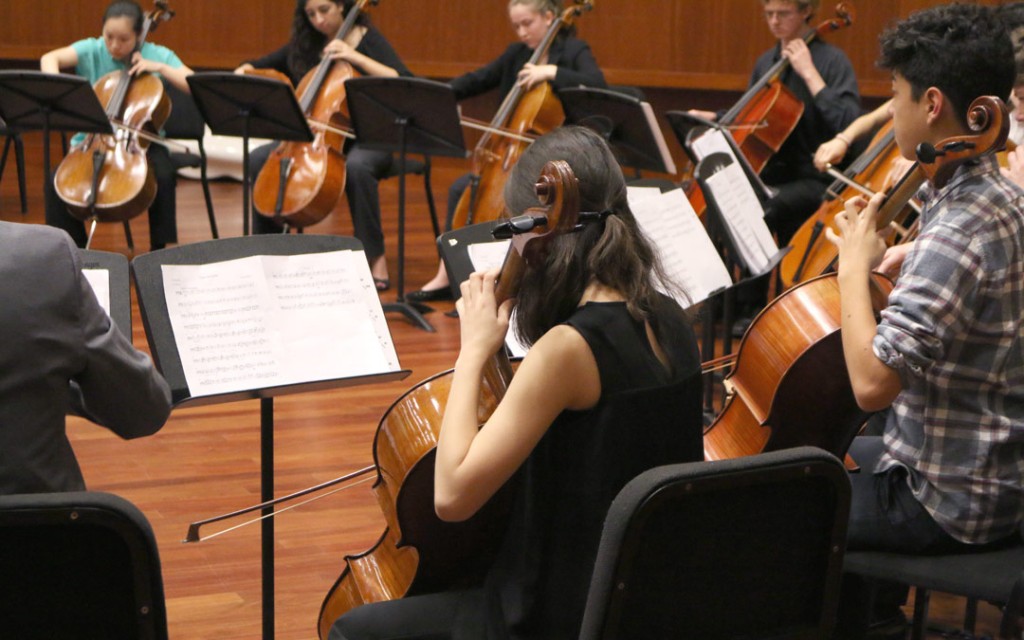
(659, 139)
(743, 216)
(266, 321)
(491, 255)
(711, 141)
(99, 280)
(687, 254)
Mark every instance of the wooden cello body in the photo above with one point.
(789, 385)
(108, 177)
(419, 553)
(525, 113)
(301, 182)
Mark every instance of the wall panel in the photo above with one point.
(684, 44)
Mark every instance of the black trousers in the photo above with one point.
(163, 221)
(885, 516)
(428, 617)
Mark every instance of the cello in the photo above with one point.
(419, 553)
(523, 113)
(768, 112)
(811, 253)
(765, 115)
(794, 343)
(107, 177)
(301, 182)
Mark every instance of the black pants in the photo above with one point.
(429, 617)
(884, 516)
(363, 171)
(163, 222)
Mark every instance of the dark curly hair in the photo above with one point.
(307, 43)
(614, 252)
(961, 49)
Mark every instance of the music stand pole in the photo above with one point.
(405, 115)
(246, 106)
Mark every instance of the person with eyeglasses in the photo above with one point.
(821, 76)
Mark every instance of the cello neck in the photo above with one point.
(511, 101)
(324, 68)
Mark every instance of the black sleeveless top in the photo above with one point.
(646, 417)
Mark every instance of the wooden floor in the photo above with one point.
(206, 460)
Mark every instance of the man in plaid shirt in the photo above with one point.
(948, 353)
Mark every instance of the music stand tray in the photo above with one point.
(405, 115)
(247, 107)
(51, 102)
(626, 122)
(149, 283)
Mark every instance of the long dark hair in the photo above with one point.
(125, 8)
(307, 43)
(614, 253)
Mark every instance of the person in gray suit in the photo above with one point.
(61, 353)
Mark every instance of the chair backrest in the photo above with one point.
(185, 121)
(78, 565)
(743, 548)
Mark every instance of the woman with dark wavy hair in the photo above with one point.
(314, 27)
(610, 388)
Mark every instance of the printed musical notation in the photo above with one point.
(687, 254)
(267, 321)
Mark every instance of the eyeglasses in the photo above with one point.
(781, 15)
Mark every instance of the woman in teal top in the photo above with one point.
(92, 59)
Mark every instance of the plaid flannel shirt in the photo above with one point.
(953, 332)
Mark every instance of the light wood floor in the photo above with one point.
(205, 461)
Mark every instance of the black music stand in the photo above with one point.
(405, 115)
(51, 102)
(116, 266)
(626, 122)
(248, 106)
(149, 284)
(721, 233)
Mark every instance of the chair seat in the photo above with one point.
(985, 575)
(412, 167)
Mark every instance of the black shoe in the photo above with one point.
(430, 295)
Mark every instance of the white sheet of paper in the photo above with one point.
(743, 216)
(99, 280)
(267, 321)
(711, 141)
(687, 253)
(491, 255)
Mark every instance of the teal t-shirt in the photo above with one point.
(94, 62)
